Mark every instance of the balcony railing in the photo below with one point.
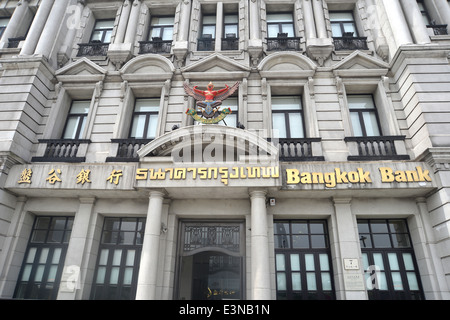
(62, 150)
(438, 29)
(127, 149)
(230, 42)
(157, 45)
(92, 49)
(297, 149)
(377, 148)
(14, 42)
(283, 43)
(206, 43)
(349, 42)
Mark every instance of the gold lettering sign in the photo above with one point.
(331, 179)
(225, 174)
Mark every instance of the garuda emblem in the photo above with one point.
(210, 101)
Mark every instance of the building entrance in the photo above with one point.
(210, 263)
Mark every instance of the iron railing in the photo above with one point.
(376, 148)
(127, 149)
(290, 149)
(61, 150)
(349, 42)
(157, 45)
(283, 43)
(92, 49)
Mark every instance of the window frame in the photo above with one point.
(3, 28)
(101, 291)
(361, 117)
(147, 115)
(104, 31)
(341, 23)
(81, 126)
(40, 246)
(161, 27)
(280, 24)
(213, 35)
(384, 252)
(286, 116)
(289, 250)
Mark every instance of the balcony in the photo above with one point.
(92, 49)
(127, 149)
(438, 29)
(157, 45)
(349, 42)
(230, 42)
(304, 149)
(206, 43)
(14, 42)
(63, 150)
(283, 43)
(376, 148)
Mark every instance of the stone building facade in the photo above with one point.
(329, 180)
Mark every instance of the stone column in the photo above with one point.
(123, 22)
(133, 22)
(347, 246)
(36, 28)
(443, 9)
(308, 17)
(255, 29)
(415, 21)
(74, 265)
(397, 22)
(148, 271)
(14, 23)
(260, 284)
(319, 18)
(219, 26)
(73, 25)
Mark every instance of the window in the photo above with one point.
(343, 23)
(102, 31)
(3, 24)
(76, 120)
(280, 23)
(287, 117)
(145, 119)
(162, 28)
(231, 25)
(302, 260)
(363, 115)
(388, 260)
(44, 259)
(232, 119)
(118, 260)
(206, 41)
(424, 12)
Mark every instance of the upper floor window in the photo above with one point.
(343, 23)
(102, 31)
(231, 25)
(76, 120)
(287, 117)
(3, 24)
(424, 12)
(145, 119)
(208, 33)
(161, 28)
(232, 119)
(280, 24)
(363, 115)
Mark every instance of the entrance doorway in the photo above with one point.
(210, 263)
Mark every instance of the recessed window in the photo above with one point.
(44, 259)
(287, 117)
(363, 115)
(161, 28)
(343, 23)
(280, 24)
(145, 119)
(102, 31)
(118, 260)
(3, 24)
(76, 120)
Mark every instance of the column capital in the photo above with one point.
(257, 192)
(87, 200)
(338, 200)
(157, 193)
